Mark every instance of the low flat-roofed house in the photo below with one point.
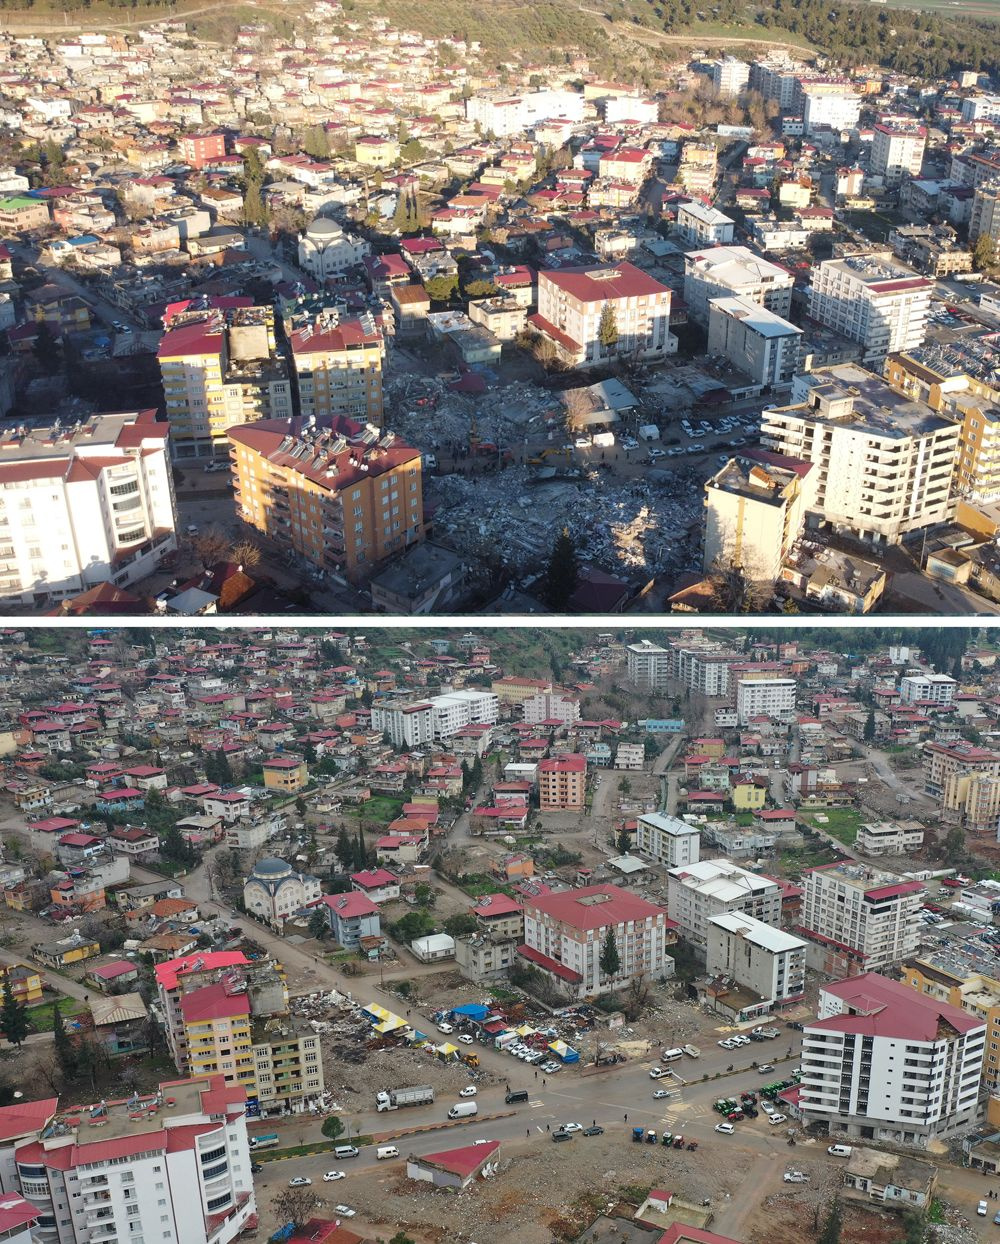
(890, 1178)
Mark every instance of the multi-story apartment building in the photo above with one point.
(883, 463)
(667, 839)
(573, 302)
(338, 368)
(927, 689)
(711, 887)
(955, 978)
(220, 367)
(698, 167)
(734, 271)
(945, 764)
(897, 151)
(859, 919)
(700, 224)
(753, 516)
(564, 935)
(768, 962)
(730, 76)
(828, 105)
(882, 1062)
(220, 1015)
(870, 300)
(173, 1166)
(343, 495)
(889, 838)
(703, 669)
(551, 706)
(562, 783)
(757, 342)
(502, 114)
(984, 218)
(775, 77)
(415, 722)
(764, 697)
(352, 916)
(84, 505)
(648, 666)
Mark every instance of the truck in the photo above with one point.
(269, 1141)
(392, 1099)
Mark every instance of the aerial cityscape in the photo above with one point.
(289, 908)
(349, 309)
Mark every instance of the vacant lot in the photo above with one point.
(839, 823)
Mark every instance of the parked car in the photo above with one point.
(330, 1176)
(982, 1209)
(300, 1181)
(345, 1211)
(465, 1038)
(777, 1118)
(657, 453)
(660, 1094)
(593, 1131)
(572, 1127)
(561, 1136)
(726, 1129)
(795, 1177)
(470, 1090)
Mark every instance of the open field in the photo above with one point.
(840, 823)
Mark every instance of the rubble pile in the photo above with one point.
(626, 527)
(397, 1067)
(426, 413)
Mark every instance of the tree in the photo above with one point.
(255, 210)
(984, 253)
(832, 1224)
(732, 591)
(561, 573)
(344, 849)
(607, 329)
(46, 349)
(296, 1205)
(423, 894)
(868, 734)
(65, 1049)
(246, 553)
(413, 925)
(13, 1020)
(441, 288)
(316, 142)
(319, 926)
(460, 925)
(624, 842)
(401, 1238)
(610, 959)
(333, 1127)
(174, 846)
(360, 850)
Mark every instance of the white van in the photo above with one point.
(840, 1151)
(464, 1110)
(346, 1151)
(671, 1056)
(386, 1151)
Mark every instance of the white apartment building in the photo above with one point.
(889, 838)
(984, 218)
(571, 306)
(619, 108)
(409, 725)
(830, 106)
(937, 689)
(764, 697)
(884, 462)
(173, 1167)
(667, 839)
(700, 224)
(730, 76)
(753, 517)
(501, 114)
(859, 919)
(775, 77)
(760, 958)
(756, 341)
(564, 935)
(325, 250)
(551, 706)
(648, 666)
(84, 505)
(705, 670)
(870, 300)
(897, 151)
(981, 108)
(883, 1062)
(734, 271)
(708, 888)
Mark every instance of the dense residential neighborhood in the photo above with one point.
(400, 316)
(265, 888)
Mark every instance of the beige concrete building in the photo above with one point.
(753, 516)
(338, 367)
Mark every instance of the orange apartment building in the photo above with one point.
(342, 494)
(562, 783)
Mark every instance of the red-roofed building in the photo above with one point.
(160, 1142)
(453, 1168)
(564, 933)
(681, 1233)
(883, 1062)
(572, 302)
(377, 884)
(17, 1217)
(562, 783)
(352, 916)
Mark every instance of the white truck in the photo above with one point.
(392, 1099)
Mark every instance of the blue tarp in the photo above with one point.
(472, 1010)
